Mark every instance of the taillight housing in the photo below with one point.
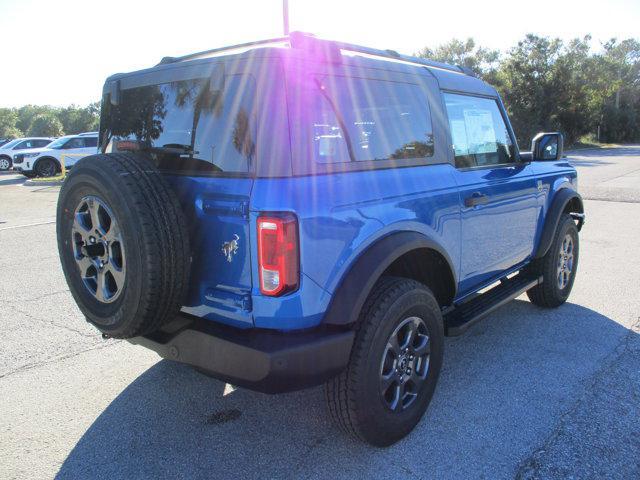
(278, 254)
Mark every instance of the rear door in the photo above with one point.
(205, 143)
(497, 192)
(73, 150)
(90, 145)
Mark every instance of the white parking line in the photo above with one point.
(27, 225)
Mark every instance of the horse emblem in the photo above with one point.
(230, 248)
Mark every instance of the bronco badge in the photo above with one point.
(230, 248)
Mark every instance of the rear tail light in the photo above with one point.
(278, 255)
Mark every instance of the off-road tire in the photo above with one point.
(353, 397)
(548, 294)
(155, 242)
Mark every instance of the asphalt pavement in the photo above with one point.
(527, 393)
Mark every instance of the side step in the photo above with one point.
(458, 319)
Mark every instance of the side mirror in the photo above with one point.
(547, 146)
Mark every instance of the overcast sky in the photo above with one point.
(59, 52)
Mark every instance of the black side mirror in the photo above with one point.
(547, 146)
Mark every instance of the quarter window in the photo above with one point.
(354, 119)
(479, 135)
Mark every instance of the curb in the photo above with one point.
(43, 183)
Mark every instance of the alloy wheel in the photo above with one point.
(565, 262)
(98, 249)
(405, 364)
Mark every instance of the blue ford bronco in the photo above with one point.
(298, 211)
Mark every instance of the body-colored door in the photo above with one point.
(498, 194)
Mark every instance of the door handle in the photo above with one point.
(476, 199)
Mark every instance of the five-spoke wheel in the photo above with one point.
(405, 363)
(565, 261)
(98, 249)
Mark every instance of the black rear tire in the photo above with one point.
(357, 399)
(552, 292)
(152, 248)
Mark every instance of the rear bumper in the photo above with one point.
(266, 361)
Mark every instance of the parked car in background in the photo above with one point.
(4, 141)
(8, 150)
(46, 162)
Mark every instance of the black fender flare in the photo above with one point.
(357, 283)
(558, 206)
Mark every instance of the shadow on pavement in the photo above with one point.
(503, 388)
(12, 181)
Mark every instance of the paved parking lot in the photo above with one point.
(527, 393)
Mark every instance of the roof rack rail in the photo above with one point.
(301, 38)
(191, 56)
(305, 40)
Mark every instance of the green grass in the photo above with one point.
(57, 178)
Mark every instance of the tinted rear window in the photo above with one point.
(355, 119)
(186, 125)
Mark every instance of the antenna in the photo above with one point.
(285, 17)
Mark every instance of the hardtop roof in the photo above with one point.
(449, 77)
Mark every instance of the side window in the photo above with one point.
(42, 143)
(90, 141)
(355, 119)
(479, 134)
(74, 143)
(21, 145)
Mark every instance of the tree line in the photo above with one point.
(547, 85)
(48, 121)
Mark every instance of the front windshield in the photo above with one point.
(10, 144)
(59, 143)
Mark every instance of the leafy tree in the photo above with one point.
(482, 61)
(46, 125)
(8, 119)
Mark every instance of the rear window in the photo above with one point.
(187, 126)
(362, 120)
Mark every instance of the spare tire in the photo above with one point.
(123, 244)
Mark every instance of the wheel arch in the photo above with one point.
(406, 254)
(566, 200)
(47, 157)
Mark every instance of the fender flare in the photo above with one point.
(355, 286)
(558, 206)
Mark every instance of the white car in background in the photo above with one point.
(47, 162)
(9, 149)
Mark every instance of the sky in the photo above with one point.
(59, 52)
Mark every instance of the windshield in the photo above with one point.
(10, 144)
(59, 143)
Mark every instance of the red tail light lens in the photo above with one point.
(278, 255)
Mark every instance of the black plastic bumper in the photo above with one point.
(266, 361)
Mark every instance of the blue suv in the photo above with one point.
(293, 212)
